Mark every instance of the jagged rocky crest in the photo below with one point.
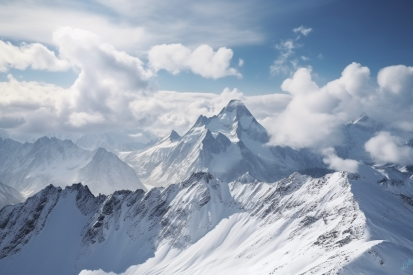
(226, 145)
(330, 214)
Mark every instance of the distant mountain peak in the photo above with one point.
(362, 118)
(238, 106)
(366, 122)
(174, 136)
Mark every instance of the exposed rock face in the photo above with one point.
(203, 225)
(227, 145)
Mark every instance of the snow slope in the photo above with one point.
(9, 195)
(226, 145)
(339, 224)
(29, 167)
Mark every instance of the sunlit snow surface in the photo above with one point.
(227, 145)
(341, 223)
(30, 167)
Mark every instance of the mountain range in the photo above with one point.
(220, 201)
(227, 145)
(30, 167)
(340, 223)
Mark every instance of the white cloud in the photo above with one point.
(287, 62)
(34, 55)
(113, 90)
(336, 163)
(240, 62)
(203, 60)
(386, 148)
(313, 116)
(284, 64)
(304, 31)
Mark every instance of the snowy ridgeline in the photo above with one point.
(340, 223)
(226, 145)
(30, 167)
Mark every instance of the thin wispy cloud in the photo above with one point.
(287, 62)
(304, 31)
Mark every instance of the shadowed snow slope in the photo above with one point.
(29, 167)
(340, 223)
(9, 195)
(227, 145)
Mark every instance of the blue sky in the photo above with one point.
(373, 33)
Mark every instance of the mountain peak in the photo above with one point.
(238, 106)
(366, 122)
(174, 136)
(362, 118)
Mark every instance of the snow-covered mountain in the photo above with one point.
(113, 141)
(227, 145)
(356, 134)
(9, 195)
(29, 167)
(339, 224)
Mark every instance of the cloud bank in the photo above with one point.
(314, 115)
(113, 89)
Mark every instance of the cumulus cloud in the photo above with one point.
(314, 115)
(240, 62)
(336, 163)
(113, 90)
(202, 61)
(303, 30)
(35, 55)
(386, 148)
